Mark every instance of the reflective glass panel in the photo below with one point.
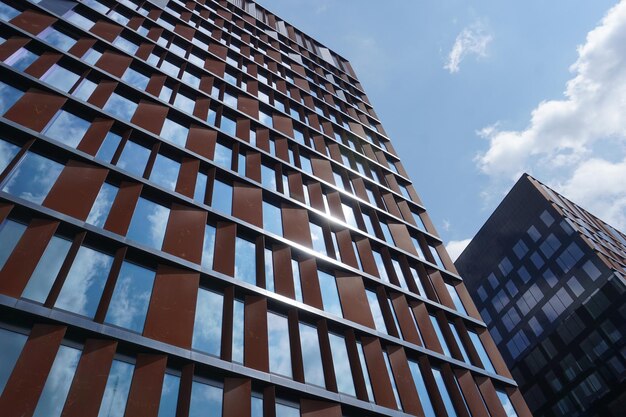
(116, 392)
(443, 390)
(341, 363)
(380, 265)
(109, 146)
(458, 341)
(317, 236)
(131, 297)
(377, 313)
(135, 78)
(148, 223)
(207, 328)
(134, 158)
(60, 78)
(174, 132)
(506, 404)
(206, 400)
(11, 345)
(279, 346)
(67, 128)
(101, 207)
(222, 200)
(311, 355)
(456, 299)
(32, 178)
(58, 383)
(7, 149)
(84, 282)
(208, 247)
(238, 331)
(10, 234)
(21, 59)
(48, 267)
(283, 410)
(272, 219)
(442, 341)
(421, 389)
(165, 172)
(482, 353)
(223, 156)
(392, 379)
(200, 188)
(84, 89)
(330, 295)
(269, 270)
(268, 177)
(245, 261)
(169, 396)
(120, 107)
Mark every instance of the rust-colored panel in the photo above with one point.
(335, 154)
(219, 50)
(11, 45)
(156, 83)
(311, 293)
(255, 333)
(367, 257)
(253, 165)
(296, 225)
(237, 397)
(184, 392)
(404, 381)
(29, 375)
(296, 189)
(242, 130)
(248, 105)
(185, 31)
(442, 291)
(101, 94)
(322, 169)
(426, 328)
(390, 202)
(95, 136)
(453, 390)
(381, 385)
(76, 189)
(401, 237)
(224, 257)
(201, 110)
(313, 408)
(316, 196)
(146, 386)
(33, 21)
(470, 392)
(87, 390)
(82, 46)
(302, 83)
(22, 262)
(247, 200)
(5, 210)
(123, 207)
(282, 148)
(150, 116)
(114, 63)
(215, 66)
(201, 141)
(334, 205)
(353, 299)
(490, 397)
(359, 188)
(283, 274)
(327, 356)
(344, 239)
(172, 307)
(184, 234)
(283, 124)
(43, 64)
(106, 30)
(187, 176)
(401, 307)
(35, 109)
(521, 408)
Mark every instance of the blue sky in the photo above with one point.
(473, 94)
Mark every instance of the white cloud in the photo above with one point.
(473, 40)
(456, 247)
(577, 144)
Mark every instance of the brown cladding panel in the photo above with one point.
(123, 207)
(31, 370)
(172, 307)
(426, 328)
(518, 402)
(283, 124)
(106, 30)
(490, 397)
(471, 393)
(201, 141)
(114, 63)
(184, 235)
(22, 262)
(323, 170)
(401, 307)
(43, 64)
(35, 109)
(353, 299)
(404, 381)
(76, 189)
(94, 137)
(237, 397)
(381, 385)
(401, 237)
(296, 225)
(224, 257)
(11, 45)
(283, 274)
(187, 176)
(215, 66)
(247, 202)
(255, 333)
(33, 21)
(494, 354)
(314, 408)
(150, 116)
(101, 94)
(249, 106)
(146, 386)
(87, 390)
(311, 293)
(185, 31)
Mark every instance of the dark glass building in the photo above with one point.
(201, 215)
(548, 279)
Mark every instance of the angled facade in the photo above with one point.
(202, 216)
(548, 279)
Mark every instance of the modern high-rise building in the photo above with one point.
(548, 278)
(201, 215)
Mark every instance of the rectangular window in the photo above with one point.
(60, 78)
(120, 107)
(269, 269)
(238, 331)
(506, 404)
(174, 132)
(134, 158)
(443, 390)
(317, 236)
(422, 392)
(440, 337)
(330, 295)
(278, 344)
(109, 146)
(222, 199)
(148, 223)
(208, 247)
(207, 328)
(341, 364)
(131, 297)
(10, 233)
(165, 172)
(392, 379)
(245, 261)
(458, 304)
(116, 392)
(272, 219)
(58, 383)
(311, 355)
(295, 269)
(101, 207)
(458, 341)
(382, 272)
(11, 345)
(366, 376)
(482, 353)
(47, 269)
(169, 396)
(206, 400)
(32, 178)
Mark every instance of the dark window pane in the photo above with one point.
(11, 345)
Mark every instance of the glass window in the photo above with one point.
(377, 313)
(126, 45)
(238, 331)
(67, 128)
(134, 158)
(283, 410)
(11, 345)
(422, 393)
(48, 267)
(442, 340)
(398, 270)
(32, 178)
(184, 103)
(257, 406)
(272, 219)
(279, 346)
(101, 207)
(165, 172)
(21, 59)
(60, 78)
(456, 299)
(222, 197)
(79, 20)
(392, 379)
(148, 223)
(136, 78)
(207, 328)
(58, 383)
(206, 400)
(174, 132)
(117, 389)
(418, 282)
(506, 404)
(311, 355)
(330, 295)
(7, 12)
(84, 89)
(268, 177)
(56, 38)
(84, 282)
(269, 270)
(368, 384)
(295, 270)
(131, 297)
(482, 353)
(120, 107)
(245, 261)
(10, 233)
(458, 341)
(380, 265)
(443, 390)
(8, 151)
(228, 125)
(169, 396)
(223, 156)
(109, 146)
(317, 236)
(386, 233)
(341, 364)
(200, 188)
(208, 247)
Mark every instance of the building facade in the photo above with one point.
(548, 279)
(201, 215)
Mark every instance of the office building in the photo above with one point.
(201, 215)
(548, 279)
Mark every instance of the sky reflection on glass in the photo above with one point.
(33, 178)
(60, 78)
(207, 328)
(48, 267)
(148, 223)
(116, 392)
(67, 128)
(120, 107)
(169, 396)
(58, 383)
(279, 346)
(422, 393)
(21, 59)
(206, 400)
(208, 247)
(131, 297)
(134, 158)
(8, 96)
(311, 355)
(109, 146)
(101, 207)
(222, 197)
(174, 132)
(238, 331)
(272, 219)
(341, 363)
(245, 261)
(377, 313)
(165, 172)
(10, 234)
(330, 296)
(11, 345)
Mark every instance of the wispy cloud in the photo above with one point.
(456, 248)
(577, 144)
(473, 40)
